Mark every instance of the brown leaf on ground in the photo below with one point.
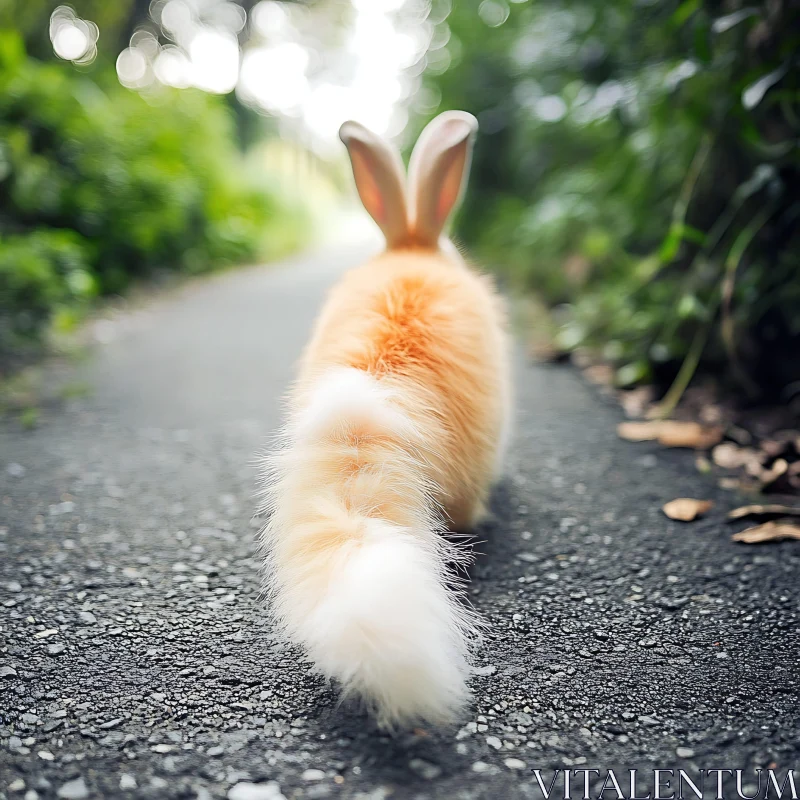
(671, 433)
(779, 468)
(639, 431)
(730, 456)
(768, 532)
(689, 434)
(686, 509)
(770, 510)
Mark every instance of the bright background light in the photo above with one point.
(310, 66)
(73, 39)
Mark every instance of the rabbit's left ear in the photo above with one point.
(380, 180)
(438, 173)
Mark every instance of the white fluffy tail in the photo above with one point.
(358, 572)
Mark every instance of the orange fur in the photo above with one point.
(435, 329)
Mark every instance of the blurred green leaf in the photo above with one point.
(685, 10)
(728, 21)
(755, 92)
(633, 373)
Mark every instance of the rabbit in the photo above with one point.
(395, 433)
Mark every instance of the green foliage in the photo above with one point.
(638, 165)
(39, 273)
(100, 185)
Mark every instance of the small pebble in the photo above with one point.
(313, 775)
(494, 742)
(684, 752)
(514, 763)
(127, 781)
(255, 791)
(73, 790)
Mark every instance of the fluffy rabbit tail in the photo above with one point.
(358, 572)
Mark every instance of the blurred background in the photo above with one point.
(636, 175)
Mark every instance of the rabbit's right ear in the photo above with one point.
(380, 180)
(438, 173)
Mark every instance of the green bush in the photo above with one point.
(40, 272)
(638, 166)
(100, 185)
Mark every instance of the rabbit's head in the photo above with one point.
(413, 212)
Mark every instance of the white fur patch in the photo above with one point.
(373, 603)
(350, 397)
(391, 632)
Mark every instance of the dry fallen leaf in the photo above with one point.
(768, 532)
(730, 456)
(639, 431)
(763, 511)
(686, 509)
(671, 433)
(769, 476)
(689, 434)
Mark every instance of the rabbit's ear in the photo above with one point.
(438, 173)
(380, 180)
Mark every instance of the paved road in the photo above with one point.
(135, 660)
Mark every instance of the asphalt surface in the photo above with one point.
(136, 659)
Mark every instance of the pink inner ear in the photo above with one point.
(376, 206)
(443, 206)
(368, 189)
(448, 195)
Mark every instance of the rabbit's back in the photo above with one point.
(432, 330)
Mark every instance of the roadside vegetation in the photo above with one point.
(101, 185)
(638, 168)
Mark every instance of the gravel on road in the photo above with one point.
(136, 660)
